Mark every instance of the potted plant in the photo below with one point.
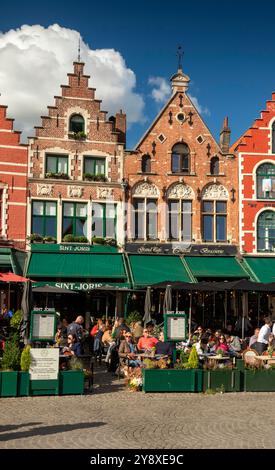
(218, 376)
(133, 317)
(81, 239)
(35, 238)
(23, 385)
(71, 382)
(16, 320)
(80, 135)
(259, 378)
(98, 241)
(10, 366)
(68, 238)
(185, 377)
(49, 239)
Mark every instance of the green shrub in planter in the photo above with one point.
(68, 238)
(222, 379)
(71, 382)
(172, 380)
(10, 365)
(16, 320)
(133, 317)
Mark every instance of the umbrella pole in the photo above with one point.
(9, 296)
(225, 310)
(258, 321)
(190, 313)
(214, 304)
(203, 309)
(177, 301)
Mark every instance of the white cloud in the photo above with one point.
(201, 109)
(35, 62)
(161, 89)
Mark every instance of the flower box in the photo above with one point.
(262, 380)
(71, 382)
(43, 387)
(172, 380)
(227, 380)
(23, 384)
(8, 384)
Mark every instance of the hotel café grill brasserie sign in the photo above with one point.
(180, 249)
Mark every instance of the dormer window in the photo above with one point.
(77, 123)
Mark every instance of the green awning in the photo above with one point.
(147, 270)
(77, 265)
(5, 261)
(215, 267)
(263, 268)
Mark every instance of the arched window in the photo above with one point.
(77, 123)
(180, 158)
(273, 137)
(266, 232)
(214, 166)
(146, 164)
(266, 181)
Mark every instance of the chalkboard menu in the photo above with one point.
(175, 326)
(43, 325)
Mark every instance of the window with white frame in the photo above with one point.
(104, 216)
(74, 220)
(214, 221)
(265, 175)
(145, 218)
(44, 218)
(266, 232)
(180, 220)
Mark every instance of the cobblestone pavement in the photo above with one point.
(113, 417)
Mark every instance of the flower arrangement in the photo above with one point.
(219, 352)
(134, 380)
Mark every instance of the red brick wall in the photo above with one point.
(254, 148)
(102, 139)
(13, 181)
(199, 177)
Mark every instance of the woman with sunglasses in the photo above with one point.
(128, 351)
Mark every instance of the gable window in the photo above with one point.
(44, 218)
(266, 181)
(266, 232)
(145, 219)
(56, 165)
(214, 166)
(146, 164)
(214, 219)
(180, 220)
(94, 166)
(180, 158)
(77, 123)
(104, 220)
(74, 219)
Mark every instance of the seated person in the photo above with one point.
(234, 345)
(221, 344)
(73, 347)
(164, 348)
(253, 339)
(127, 350)
(202, 347)
(146, 342)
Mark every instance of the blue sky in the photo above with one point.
(229, 49)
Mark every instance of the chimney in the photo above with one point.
(120, 126)
(225, 136)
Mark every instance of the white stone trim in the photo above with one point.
(269, 143)
(180, 191)
(17, 203)
(254, 174)
(12, 173)
(145, 189)
(18, 147)
(215, 191)
(4, 228)
(263, 209)
(77, 110)
(13, 164)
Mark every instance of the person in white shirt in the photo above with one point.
(263, 338)
(273, 329)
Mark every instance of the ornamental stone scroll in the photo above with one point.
(215, 191)
(74, 191)
(44, 190)
(146, 190)
(104, 193)
(180, 191)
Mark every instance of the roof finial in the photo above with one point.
(78, 57)
(180, 54)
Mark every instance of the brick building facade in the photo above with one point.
(76, 166)
(13, 183)
(182, 184)
(256, 153)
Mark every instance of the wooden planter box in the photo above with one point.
(43, 387)
(259, 380)
(71, 382)
(8, 384)
(227, 380)
(172, 380)
(23, 384)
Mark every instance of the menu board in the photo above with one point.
(175, 327)
(43, 326)
(44, 363)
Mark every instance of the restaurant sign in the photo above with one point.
(81, 286)
(181, 249)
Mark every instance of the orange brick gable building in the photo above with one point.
(13, 183)
(183, 185)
